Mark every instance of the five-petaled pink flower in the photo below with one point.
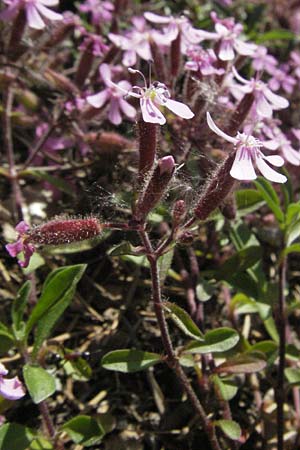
(21, 245)
(113, 93)
(10, 388)
(35, 10)
(248, 151)
(154, 96)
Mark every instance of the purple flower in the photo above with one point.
(248, 151)
(263, 61)
(281, 78)
(101, 11)
(113, 93)
(227, 35)
(92, 43)
(202, 61)
(10, 388)
(154, 96)
(135, 42)
(35, 10)
(279, 141)
(265, 101)
(21, 245)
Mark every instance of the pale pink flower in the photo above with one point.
(178, 25)
(155, 96)
(21, 245)
(262, 60)
(113, 94)
(248, 152)
(10, 388)
(101, 11)
(227, 34)
(265, 101)
(36, 11)
(279, 141)
(202, 61)
(135, 42)
(281, 79)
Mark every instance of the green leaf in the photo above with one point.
(204, 290)
(15, 437)
(124, 248)
(269, 194)
(84, 430)
(215, 341)
(6, 338)
(40, 443)
(293, 375)
(242, 364)
(294, 248)
(19, 304)
(230, 428)
(239, 262)
(164, 264)
(35, 262)
(59, 183)
(183, 320)
(280, 35)
(39, 382)
(78, 368)
(129, 361)
(226, 387)
(58, 291)
(248, 200)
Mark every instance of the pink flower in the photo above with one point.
(281, 78)
(35, 10)
(178, 25)
(263, 61)
(135, 42)
(227, 34)
(21, 245)
(154, 96)
(114, 95)
(248, 152)
(202, 61)
(10, 388)
(101, 11)
(279, 141)
(265, 101)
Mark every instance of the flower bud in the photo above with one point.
(65, 231)
(155, 188)
(179, 211)
(240, 114)
(186, 238)
(147, 147)
(107, 142)
(61, 82)
(216, 189)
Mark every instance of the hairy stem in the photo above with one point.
(281, 325)
(168, 346)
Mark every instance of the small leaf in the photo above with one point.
(280, 35)
(215, 341)
(230, 428)
(6, 338)
(15, 437)
(124, 248)
(19, 304)
(242, 364)
(164, 264)
(239, 262)
(39, 382)
(248, 200)
(294, 248)
(59, 183)
(226, 387)
(183, 320)
(269, 194)
(293, 375)
(204, 291)
(129, 361)
(84, 430)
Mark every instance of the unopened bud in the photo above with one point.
(240, 114)
(216, 189)
(62, 30)
(185, 238)
(65, 231)
(155, 188)
(85, 64)
(107, 141)
(61, 82)
(15, 48)
(147, 147)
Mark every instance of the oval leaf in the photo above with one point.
(39, 382)
(215, 341)
(15, 437)
(230, 428)
(225, 387)
(128, 361)
(183, 320)
(242, 364)
(84, 430)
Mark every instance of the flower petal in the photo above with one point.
(277, 101)
(127, 109)
(179, 108)
(46, 12)
(33, 17)
(219, 132)
(114, 114)
(275, 160)
(155, 18)
(242, 168)
(12, 388)
(98, 100)
(269, 173)
(150, 112)
(226, 52)
(263, 108)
